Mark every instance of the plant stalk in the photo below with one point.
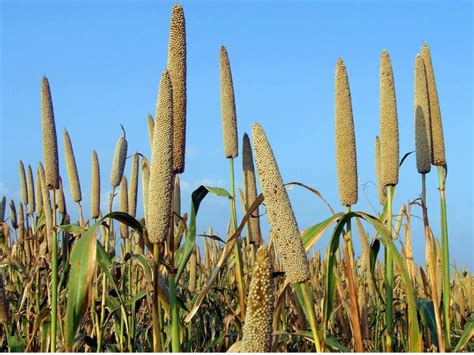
(237, 255)
(155, 308)
(389, 277)
(54, 276)
(350, 273)
(445, 256)
(312, 316)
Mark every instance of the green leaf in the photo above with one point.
(414, 334)
(333, 343)
(374, 251)
(190, 239)
(406, 156)
(218, 191)
(312, 234)
(105, 265)
(147, 269)
(427, 312)
(466, 336)
(15, 344)
(73, 229)
(126, 219)
(135, 298)
(83, 264)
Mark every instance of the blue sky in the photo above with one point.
(104, 61)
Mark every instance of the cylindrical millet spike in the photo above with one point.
(346, 158)
(279, 211)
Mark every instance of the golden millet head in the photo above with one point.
(151, 128)
(133, 188)
(50, 143)
(250, 190)
(31, 190)
(71, 168)
(5, 315)
(229, 116)
(38, 193)
(381, 189)
(145, 188)
(257, 331)
(279, 212)
(123, 205)
(61, 198)
(422, 119)
(24, 189)
(21, 219)
(118, 164)
(161, 170)
(346, 157)
(13, 217)
(192, 272)
(177, 72)
(95, 186)
(389, 146)
(438, 154)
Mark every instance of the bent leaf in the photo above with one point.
(83, 264)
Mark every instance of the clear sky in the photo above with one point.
(104, 61)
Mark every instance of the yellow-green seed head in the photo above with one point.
(192, 272)
(250, 190)
(3, 204)
(24, 189)
(145, 188)
(95, 186)
(50, 143)
(71, 168)
(151, 128)
(257, 332)
(346, 157)
(389, 145)
(38, 193)
(279, 212)
(5, 315)
(21, 219)
(381, 189)
(437, 146)
(61, 198)
(422, 119)
(177, 72)
(138, 244)
(13, 216)
(118, 164)
(133, 190)
(31, 190)
(229, 116)
(161, 170)
(123, 205)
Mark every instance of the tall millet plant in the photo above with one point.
(231, 151)
(346, 161)
(389, 156)
(283, 223)
(51, 182)
(177, 72)
(438, 158)
(250, 191)
(160, 189)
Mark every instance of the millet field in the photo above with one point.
(145, 279)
